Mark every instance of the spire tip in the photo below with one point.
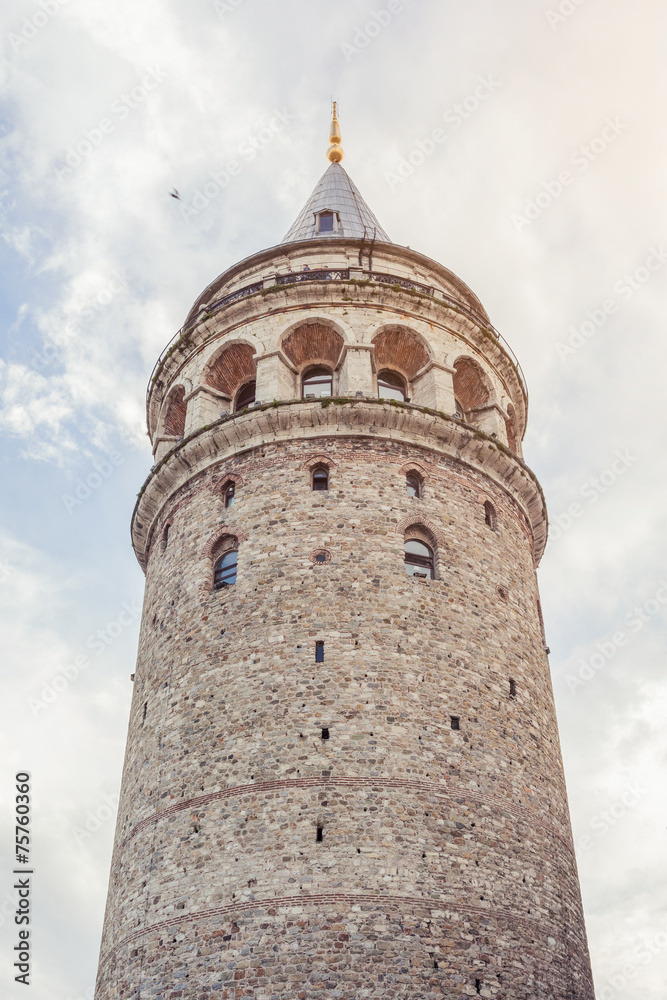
(335, 152)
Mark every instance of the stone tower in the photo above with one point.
(343, 776)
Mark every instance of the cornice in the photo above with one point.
(313, 420)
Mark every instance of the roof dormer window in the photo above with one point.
(325, 222)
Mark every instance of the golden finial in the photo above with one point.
(335, 151)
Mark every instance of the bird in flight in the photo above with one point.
(174, 194)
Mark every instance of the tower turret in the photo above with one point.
(343, 775)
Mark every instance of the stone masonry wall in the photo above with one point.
(445, 866)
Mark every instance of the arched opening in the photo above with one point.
(391, 385)
(398, 349)
(470, 385)
(175, 410)
(229, 494)
(320, 478)
(224, 571)
(490, 517)
(245, 396)
(419, 559)
(313, 343)
(231, 371)
(413, 484)
(317, 382)
(225, 561)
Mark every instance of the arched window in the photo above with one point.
(229, 494)
(413, 485)
(320, 479)
(224, 574)
(391, 385)
(419, 559)
(317, 382)
(245, 396)
(458, 410)
(490, 518)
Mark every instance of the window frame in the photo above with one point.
(419, 561)
(318, 470)
(383, 383)
(419, 487)
(229, 494)
(238, 408)
(310, 373)
(218, 582)
(327, 214)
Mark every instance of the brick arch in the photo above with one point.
(174, 412)
(216, 547)
(431, 529)
(231, 367)
(471, 386)
(313, 343)
(315, 460)
(400, 349)
(414, 467)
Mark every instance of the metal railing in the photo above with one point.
(343, 274)
(322, 274)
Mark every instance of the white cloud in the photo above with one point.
(65, 238)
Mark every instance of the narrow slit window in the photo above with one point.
(230, 494)
(225, 570)
(478, 985)
(455, 721)
(419, 559)
(413, 485)
(143, 718)
(319, 651)
(318, 835)
(165, 537)
(512, 688)
(325, 734)
(490, 518)
(320, 478)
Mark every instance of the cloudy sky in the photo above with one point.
(545, 193)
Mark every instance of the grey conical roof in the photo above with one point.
(335, 192)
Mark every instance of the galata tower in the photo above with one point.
(343, 777)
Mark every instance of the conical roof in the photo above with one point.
(336, 193)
